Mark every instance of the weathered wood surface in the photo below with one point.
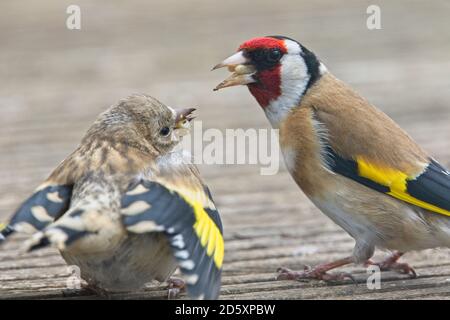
(55, 81)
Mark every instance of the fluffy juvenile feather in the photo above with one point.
(126, 207)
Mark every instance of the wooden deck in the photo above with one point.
(55, 81)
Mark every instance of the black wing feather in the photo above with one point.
(55, 200)
(172, 214)
(432, 186)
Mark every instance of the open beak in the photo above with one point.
(183, 117)
(242, 71)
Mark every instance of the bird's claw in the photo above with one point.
(312, 273)
(389, 265)
(175, 286)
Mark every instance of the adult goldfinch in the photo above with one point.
(351, 160)
(127, 208)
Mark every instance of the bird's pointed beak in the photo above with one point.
(183, 117)
(232, 61)
(243, 71)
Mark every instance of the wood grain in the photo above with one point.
(55, 82)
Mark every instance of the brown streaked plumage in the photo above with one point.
(125, 206)
(354, 162)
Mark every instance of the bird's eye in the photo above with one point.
(264, 59)
(274, 55)
(164, 131)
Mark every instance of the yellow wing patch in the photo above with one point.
(209, 234)
(396, 181)
(206, 229)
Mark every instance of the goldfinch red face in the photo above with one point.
(277, 71)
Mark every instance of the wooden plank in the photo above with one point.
(55, 83)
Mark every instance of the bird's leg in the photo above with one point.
(319, 272)
(175, 286)
(390, 263)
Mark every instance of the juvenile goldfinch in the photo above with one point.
(127, 208)
(351, 160)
